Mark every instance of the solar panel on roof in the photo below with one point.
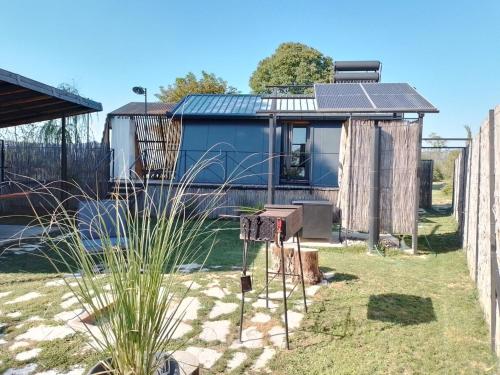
(370, 97)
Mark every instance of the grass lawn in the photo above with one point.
(397, 314)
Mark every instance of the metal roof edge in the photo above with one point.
(30, 84)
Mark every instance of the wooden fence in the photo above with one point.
(29, 166)
(481, 232)
(460, 171)
(399, 157)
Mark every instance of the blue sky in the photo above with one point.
(448, 50)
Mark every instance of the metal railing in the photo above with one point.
(232, 165)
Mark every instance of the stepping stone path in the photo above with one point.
(251, 338)
(186, 310)
(312, 290)
(181, 330)
(215, 292)
(193, 285)
(26, 356)
(4, 294)
(35, 318)
(67, 295)
(294, 319)
(264, 358)
(26, 297)
(46, 333)
(68, 315)
(261, 318)
(277, 336)
(26, 370)
(52, 283)
(69, 302)
(262, 303)
(215, 331)
(237, 359)
(222, 308)
(17, 345)
(206, 357)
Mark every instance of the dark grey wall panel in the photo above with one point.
(325, 144)
(239, 149)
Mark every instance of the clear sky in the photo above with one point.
(449, 50)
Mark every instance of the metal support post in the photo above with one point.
(416, 202)
(374, 208)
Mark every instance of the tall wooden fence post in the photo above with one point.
(478, 192)
(493, 247)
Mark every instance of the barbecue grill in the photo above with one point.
(276, 223)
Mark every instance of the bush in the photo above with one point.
(447, 189)
(437, 174)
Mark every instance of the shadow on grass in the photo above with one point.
(226, 253)
(442, 238)
(339, 276)
(403, 309)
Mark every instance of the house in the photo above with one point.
(295, 137)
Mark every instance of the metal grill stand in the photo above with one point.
(276, 223)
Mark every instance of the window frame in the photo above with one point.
(286, 154)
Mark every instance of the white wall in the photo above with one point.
(123, 144)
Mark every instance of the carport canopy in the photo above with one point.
(26, 101)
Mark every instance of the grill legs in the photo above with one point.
(284, 291)
(283, 281)
(267, 274)
(302, 275)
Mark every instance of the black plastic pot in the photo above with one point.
(171, 367)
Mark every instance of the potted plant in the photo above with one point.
(128, 283)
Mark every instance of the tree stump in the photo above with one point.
(310, 262)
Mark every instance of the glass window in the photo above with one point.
(295, 159)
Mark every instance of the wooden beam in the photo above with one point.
(30, 106)
(43, 115)
(12, 90)
(22, 99)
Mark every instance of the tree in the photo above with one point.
(77, 127)
(437, 141)
(291, 63)
(209, 83)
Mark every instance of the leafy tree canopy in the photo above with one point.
(436, 141)
(209, 83)
(291, 63)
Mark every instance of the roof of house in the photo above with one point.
(26, 101)
(334, 98)
(238, 105)
(137, 108)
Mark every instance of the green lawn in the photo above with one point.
(397, 314)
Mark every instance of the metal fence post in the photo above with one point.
(374, 208)
(414, 234)
(225, 166)
(2, 162)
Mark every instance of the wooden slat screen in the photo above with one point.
(158, 139)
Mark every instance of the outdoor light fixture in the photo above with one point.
(142, 91)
